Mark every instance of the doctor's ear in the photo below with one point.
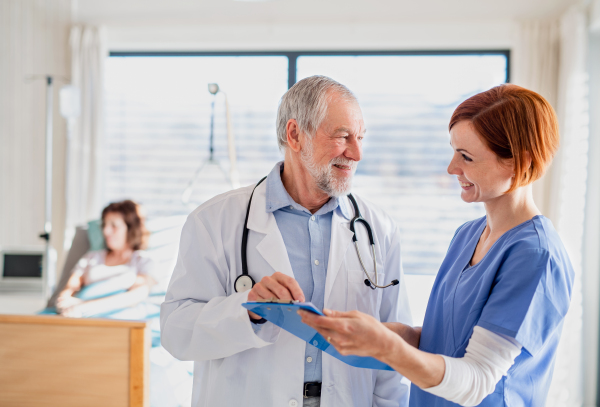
(294, 135)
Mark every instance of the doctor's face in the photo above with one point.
(331, 157)
(482, 176)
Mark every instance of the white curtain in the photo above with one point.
(85, 140)
(550, 58)
(569, 193)
(535, 67)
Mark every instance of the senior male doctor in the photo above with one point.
(299, 247)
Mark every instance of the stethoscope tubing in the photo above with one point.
(357, 218)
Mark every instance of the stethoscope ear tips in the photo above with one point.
(395, 282)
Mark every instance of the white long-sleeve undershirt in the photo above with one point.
(470, 379)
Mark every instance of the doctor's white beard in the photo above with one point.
(324, 176)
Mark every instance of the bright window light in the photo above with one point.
(158, 124)
(158, 120)
(407, 102)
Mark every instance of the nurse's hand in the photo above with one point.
(352, 332)
(278, 286)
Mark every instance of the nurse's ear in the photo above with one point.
(526, 162)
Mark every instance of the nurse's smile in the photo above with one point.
(465, 185)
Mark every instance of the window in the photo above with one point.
(158, 126)
(407, 101)
(158, 112)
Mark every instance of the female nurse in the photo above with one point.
(498, 303)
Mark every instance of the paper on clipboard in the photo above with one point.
(285, 316)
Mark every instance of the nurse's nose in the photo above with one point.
(453, 168)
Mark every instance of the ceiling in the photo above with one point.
(117, 12)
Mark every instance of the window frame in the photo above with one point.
(294, 55)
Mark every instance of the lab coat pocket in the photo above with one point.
(360, 296)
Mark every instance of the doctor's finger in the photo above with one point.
(291, 284)
(262, 292)
(280, 291)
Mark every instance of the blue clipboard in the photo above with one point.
(286, 317)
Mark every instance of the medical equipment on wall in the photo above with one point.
(233, 175)
(244, 282)
(22, 268)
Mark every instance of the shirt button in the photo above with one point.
(312, 218)
(293, 403)
(315, 343)
(317, 262)
(291, 207)
(309, 359)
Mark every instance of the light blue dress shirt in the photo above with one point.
(307, 239)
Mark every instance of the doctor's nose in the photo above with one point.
(354, 150)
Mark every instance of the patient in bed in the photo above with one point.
(122, 270)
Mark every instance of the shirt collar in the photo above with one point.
(278, 197)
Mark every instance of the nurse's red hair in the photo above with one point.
(514, 121)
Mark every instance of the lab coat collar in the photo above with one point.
(341, 240)
(271, 247)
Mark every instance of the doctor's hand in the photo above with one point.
(352, 332)
(278, 286)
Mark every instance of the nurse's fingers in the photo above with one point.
(339, 314)
(342, 343)
(320, 322)
(291, 285)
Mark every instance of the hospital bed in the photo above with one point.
(169, 382)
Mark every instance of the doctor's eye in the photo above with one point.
(466, 158)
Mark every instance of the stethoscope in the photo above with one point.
(244, 282)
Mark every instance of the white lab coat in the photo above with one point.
(202, 318)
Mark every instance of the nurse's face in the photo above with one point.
(482, 176)
(114, 230)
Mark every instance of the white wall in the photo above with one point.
(477, 34)
(33, 40)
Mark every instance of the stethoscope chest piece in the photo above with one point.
(243, 283)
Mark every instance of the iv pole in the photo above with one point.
(49, 263)
(49, 270)
(213, 88)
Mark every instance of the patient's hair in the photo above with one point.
(306, 102)
(513, 121)
(137, 234)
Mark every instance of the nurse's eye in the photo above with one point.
(466, 158)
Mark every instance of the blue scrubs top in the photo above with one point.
(521, 288)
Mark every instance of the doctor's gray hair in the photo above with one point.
(306, 102)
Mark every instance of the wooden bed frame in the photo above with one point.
(57, 361)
